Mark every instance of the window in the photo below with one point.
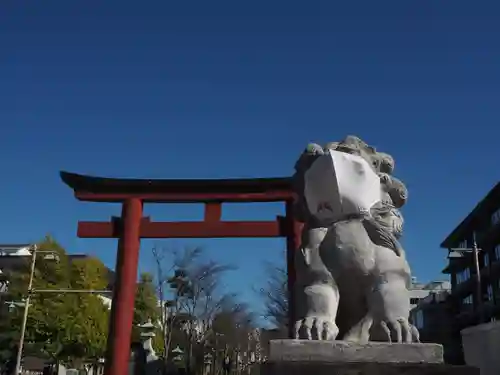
(495, 218)
(419, 319)
(486, 259)
(467, 302)
(497, 252)
(463, 275)
(489, 292)
(462, 244)
(414, 301)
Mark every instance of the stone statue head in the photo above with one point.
(351, 145)
(381, 163)
(354, 145)
(331, 146)
(307, 157)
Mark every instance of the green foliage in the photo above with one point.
(44, 328)
(146, 304)
(146, 300)
(62, 326)
(8, 336)
(88, 326)
(147, 308)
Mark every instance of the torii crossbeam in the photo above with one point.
(132, 226)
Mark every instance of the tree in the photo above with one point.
(168, 308)
(190, 296)
(45, 328)
(234, 335)
(146, 308)
(146, 300)
(61, 326)
(88, 327)
(7, 334)
(275, 297)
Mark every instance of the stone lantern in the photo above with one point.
(147, 335)
(178, 354)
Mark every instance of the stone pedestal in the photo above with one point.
(293, 357)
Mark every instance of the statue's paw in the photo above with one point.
(317, 328)
(401, 330)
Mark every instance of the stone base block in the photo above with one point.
(344, 352)
(352, 368)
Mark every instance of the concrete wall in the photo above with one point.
(481, 346)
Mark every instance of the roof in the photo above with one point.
(91, 185)
(14, 246)
(482, 208)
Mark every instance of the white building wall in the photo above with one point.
(421, 291)
(15, 251)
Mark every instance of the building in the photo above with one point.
(428, 302)
(419, 291)
(475, 296)
(424, 295)
(432, 315)
(482, 225)
(14, 249)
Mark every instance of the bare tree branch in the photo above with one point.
(197, 296)
(275, 296)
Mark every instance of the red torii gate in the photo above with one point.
(132, 226)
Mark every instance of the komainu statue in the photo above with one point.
(352, 274)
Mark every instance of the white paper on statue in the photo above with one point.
(338, 185)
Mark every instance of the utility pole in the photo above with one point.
(25, 314)
(51, 255)
(479, 290)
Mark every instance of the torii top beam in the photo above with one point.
(99, 189)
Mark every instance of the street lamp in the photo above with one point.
(457, 253)
(14, 304)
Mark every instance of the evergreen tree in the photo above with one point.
(147, 308)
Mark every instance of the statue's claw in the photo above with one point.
(324, 327)
(415, 334)
(401, 330)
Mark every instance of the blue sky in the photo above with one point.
(216, 89)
